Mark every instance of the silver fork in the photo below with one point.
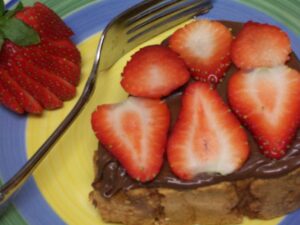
(126, 31)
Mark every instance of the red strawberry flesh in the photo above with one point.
(28, 103)
(205, 47)
(8, 100)
(135, 132)
(62, 89)
(153, 72)
(260, 45)
(13, 58)
(44, 96)
(63, 68)
(63, 48)
(206, 137)
(54, 64)
(45, 21)
(267, 100)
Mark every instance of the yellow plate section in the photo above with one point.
(65, 176)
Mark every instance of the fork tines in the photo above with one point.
(164, 15)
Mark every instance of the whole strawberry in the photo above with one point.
(39, 65)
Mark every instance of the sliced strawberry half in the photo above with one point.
(62, 89)
(26, 101)
(207, 137)
(39, 92)
(204, 45)
(267, 100)
(45, 21)
(61, 67)
(16, 59)
(260, 45)
(135, 132)
(62, 48)
(44, 96)
(8, 100)
(154, 71)
(54, 64)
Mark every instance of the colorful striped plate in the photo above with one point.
(58, 192)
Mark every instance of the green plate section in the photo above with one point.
(285, 11)
(62, 7)
(11, 216)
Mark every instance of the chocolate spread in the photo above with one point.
(112, 177)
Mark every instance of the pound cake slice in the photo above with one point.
(183, 187)
(222, 203)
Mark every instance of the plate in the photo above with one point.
(58, 192)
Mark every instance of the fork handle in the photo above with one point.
(8, 190)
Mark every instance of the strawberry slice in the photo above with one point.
(62, 48)
(45, 97)
(135, 132)
(12, 58)
(8, 100)
(56, 65)
(62, 89)
(204, 45)
(45, 21)
(154, 71)
(206, 137)
(267, 100)
(260, 45)
(26, 101)
(63, 68)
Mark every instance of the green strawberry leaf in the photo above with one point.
(18, 32)
(12, 12)
(2, 7)
(15, 30)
